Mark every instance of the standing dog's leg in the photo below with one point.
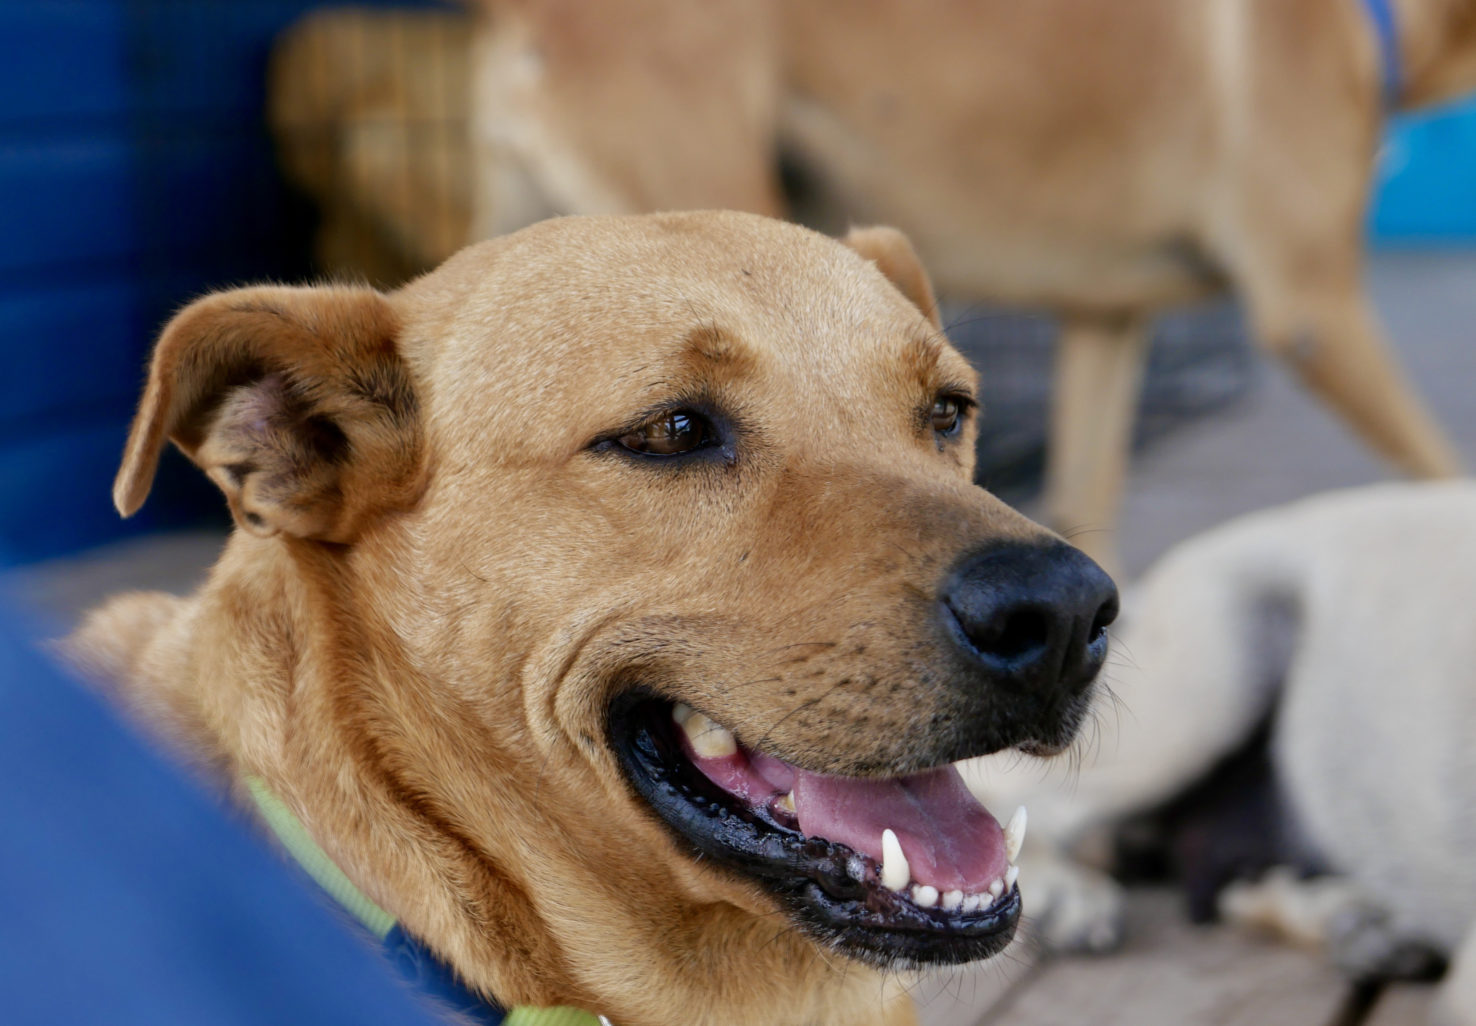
(1099, 364)
(1326, 332)
(1287, 223)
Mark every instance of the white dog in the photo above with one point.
(1350, 621)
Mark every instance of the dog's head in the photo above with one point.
(635, 567)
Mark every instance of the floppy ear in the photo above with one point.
(894, 256)
(293, 400)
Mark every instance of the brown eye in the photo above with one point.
(946, 414)
(670, 434)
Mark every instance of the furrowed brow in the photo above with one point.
(708, 348)
(932, 362)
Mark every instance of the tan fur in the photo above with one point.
(1098, 158)
(416, 645)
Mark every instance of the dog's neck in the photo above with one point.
(305, 690)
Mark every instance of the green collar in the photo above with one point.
(382, 926)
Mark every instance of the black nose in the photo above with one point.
(1033, 617)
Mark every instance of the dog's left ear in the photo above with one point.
(295, 401)
(894, 256)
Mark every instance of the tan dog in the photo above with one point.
(1095, 158)
(501, 532)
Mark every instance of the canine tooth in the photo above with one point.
(1014, 834)
(680, 713)
(709, 739)
(786, 802)
(896, 874)
(996, 888)
(1011, 875)
(924, 896)
(952, 899)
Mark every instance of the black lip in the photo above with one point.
(809, 876)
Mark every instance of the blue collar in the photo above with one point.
(1386, 29)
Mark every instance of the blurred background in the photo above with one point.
(138, 170)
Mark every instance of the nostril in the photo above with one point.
(1019, 634)
(1101, 622)
(1098, 632)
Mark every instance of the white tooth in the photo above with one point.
(973, 902)
(709, 740)
(996, 888)
(680, 712)
(924, 896)
(1011, 875)
(1014, 834)
(896, 874)
(952, 899)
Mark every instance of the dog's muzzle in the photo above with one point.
(905, 869)
(896, 871)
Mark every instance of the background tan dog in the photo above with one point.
(498, 530)
(1098, 159)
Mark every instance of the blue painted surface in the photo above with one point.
(1427, 179)
(136, 172)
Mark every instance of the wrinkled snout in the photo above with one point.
(1030, 619)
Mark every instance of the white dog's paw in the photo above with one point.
(1298, 910)
(1332, 913)
(1070, 907)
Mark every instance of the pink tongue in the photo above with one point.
(950, 840)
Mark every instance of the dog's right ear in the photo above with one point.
(894, 256)
(295, 401)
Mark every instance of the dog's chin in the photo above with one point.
(815, 842)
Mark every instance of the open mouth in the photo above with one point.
(897, 871)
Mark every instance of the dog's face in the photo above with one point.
(668, 587)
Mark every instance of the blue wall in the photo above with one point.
(135, 172)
